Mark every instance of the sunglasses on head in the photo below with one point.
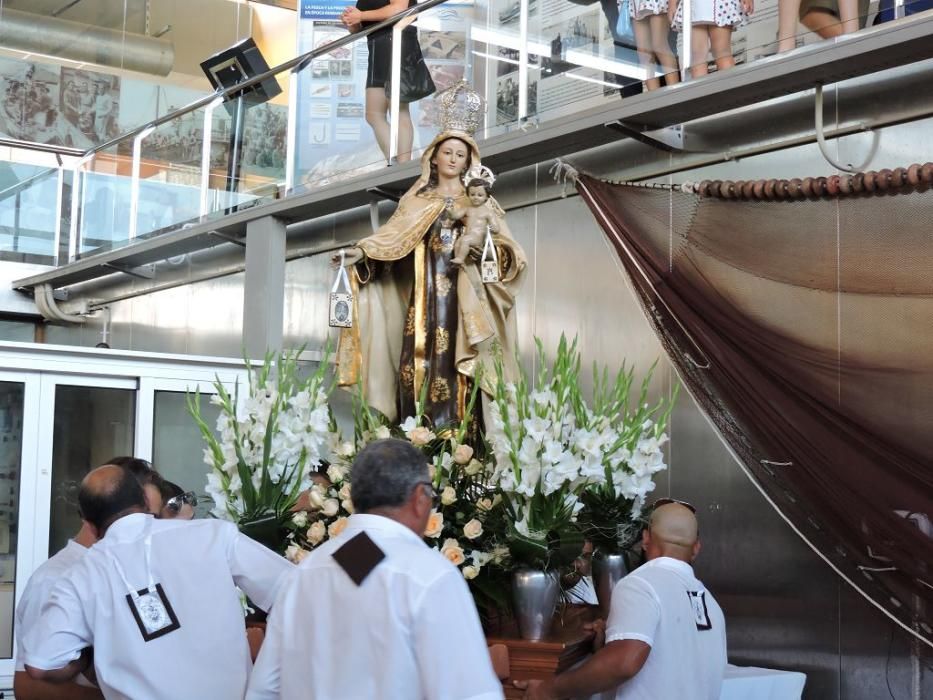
(175, 503)
(667, 501)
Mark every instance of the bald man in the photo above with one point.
(156, 599)
(666, 636)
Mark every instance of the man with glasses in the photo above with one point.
(177, 504)
(374, 613)
(665, 636)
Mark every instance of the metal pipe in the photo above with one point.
(62, 38)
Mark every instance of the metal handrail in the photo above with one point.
(293, 64)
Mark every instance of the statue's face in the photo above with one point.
(450, 158)
(477, 195)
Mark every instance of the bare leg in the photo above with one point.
(660, 30)
(721, 40)
(699, 50)
(645, 52)
(826, 24)
(406, 133)
(376, 107)
(848, 14)
(787, 24)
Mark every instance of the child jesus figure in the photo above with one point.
(475, 218)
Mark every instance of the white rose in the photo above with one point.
(336, 527)
(345, 449)
(300, 519)
(463, 454)
(316, 533)
(336, 473)
(347, 505)
(448, 496)
(383, 432)
(330, 507)
(473, 468)
(473, 529)
(470, 572)
(344, 492)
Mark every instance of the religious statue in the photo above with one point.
(423, 325)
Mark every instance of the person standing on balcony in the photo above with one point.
(379, 69)
(713, 23)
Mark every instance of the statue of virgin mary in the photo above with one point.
(424, 327)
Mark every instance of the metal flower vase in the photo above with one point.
(535, 595)
(608, 570)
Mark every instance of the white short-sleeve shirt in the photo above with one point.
(410, 630)
(199, 564)
(663, 604)
(37, 591)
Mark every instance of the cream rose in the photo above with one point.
(453, 552)
(316, 497)
(448, 496)
(473, 468)
(470, 571)
(300, 519)
(347, 505)
(331, 507)
(473, 529)
(420, 436)
(336, 527)
(344, 492)
(484, 504)
(463, 454)
(383, 432)
(435, 525)
(316, 533)
(336, 473)
(295, 554)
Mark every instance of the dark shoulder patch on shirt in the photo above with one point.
(358, 557)
(700, 611)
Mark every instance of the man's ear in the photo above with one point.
(696, 549)
(645, 539)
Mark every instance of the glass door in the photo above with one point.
(92, 419)
(18, 431)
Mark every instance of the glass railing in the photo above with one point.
(349, 105)
(30, 209)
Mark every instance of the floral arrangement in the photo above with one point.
(267, 444)
(625, 438)
(533, 434)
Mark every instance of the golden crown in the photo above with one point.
(461, 109)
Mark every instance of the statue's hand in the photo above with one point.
(476, 252)
(351, 256)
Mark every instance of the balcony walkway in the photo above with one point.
(889, 45)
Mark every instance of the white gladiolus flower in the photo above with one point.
(408, 425)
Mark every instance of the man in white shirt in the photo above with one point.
(374, 613)
(666, 634)
(37, 591)
(157, 600)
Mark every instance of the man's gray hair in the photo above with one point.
(384, 474)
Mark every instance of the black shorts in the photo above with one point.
(379, 67)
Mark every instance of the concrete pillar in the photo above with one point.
(264, 289)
